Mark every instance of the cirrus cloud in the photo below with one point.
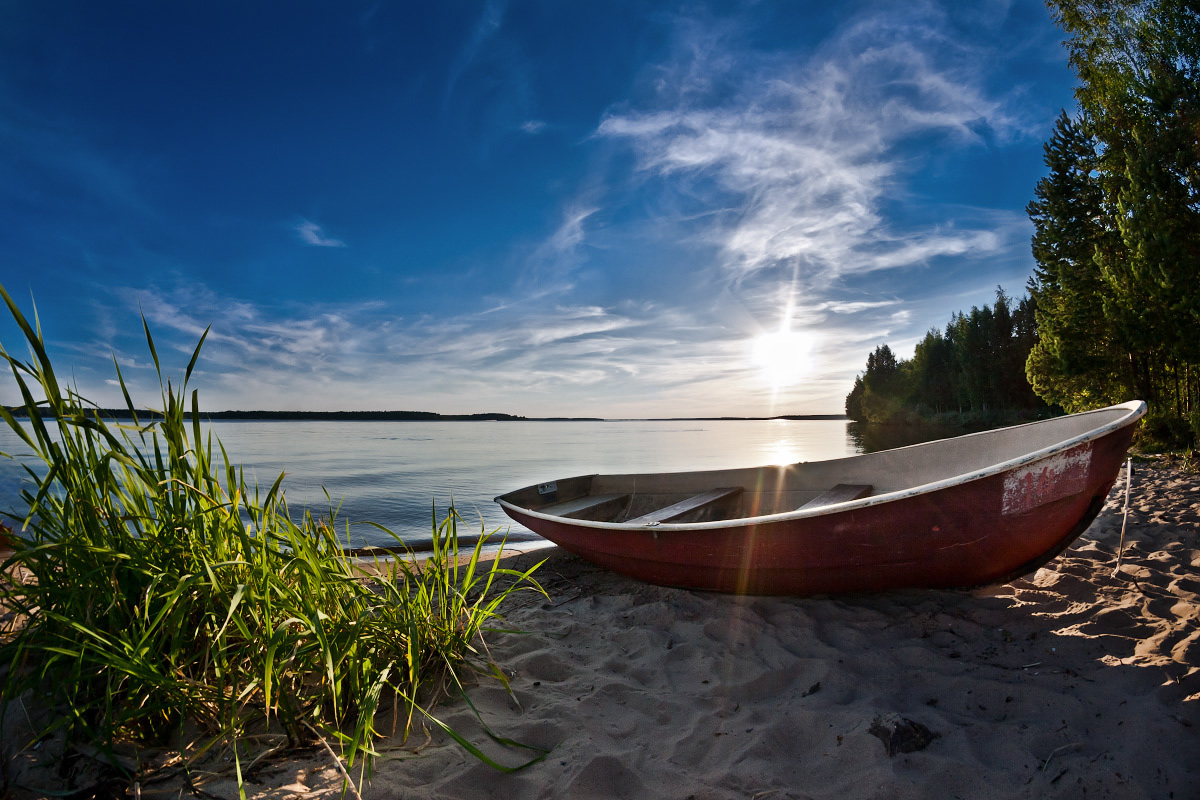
(804, 155)
(311, 233)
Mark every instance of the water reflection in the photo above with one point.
(782, 452)
(393, 472)
(867, 438)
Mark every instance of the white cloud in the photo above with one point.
(570, 233)
(312, 233)
(806, 154)
(546, 269)
(550, 359)
(844, 307)
(487, 26)
(533, 126)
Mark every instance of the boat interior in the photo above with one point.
(691, 497)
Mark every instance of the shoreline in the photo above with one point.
(20, 412)
(1070, 682)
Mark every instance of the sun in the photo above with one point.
(785, 357)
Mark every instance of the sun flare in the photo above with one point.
(784, 356)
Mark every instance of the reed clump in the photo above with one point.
(163, 594)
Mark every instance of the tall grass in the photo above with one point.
(163, 590)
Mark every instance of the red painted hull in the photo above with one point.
(985, 529)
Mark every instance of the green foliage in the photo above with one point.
(1117, 218)
(1074, 362)
(163, 590)
(975, 370)
(1164, 432)
(854, 409)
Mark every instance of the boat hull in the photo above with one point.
(984, 530)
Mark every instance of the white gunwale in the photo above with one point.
(1134, 410)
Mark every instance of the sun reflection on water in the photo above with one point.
(781, 452)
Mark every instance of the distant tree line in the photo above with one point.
(972, 371)
(394, 416)
(363, 416)
(1117, 219)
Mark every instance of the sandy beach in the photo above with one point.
(1072, 682)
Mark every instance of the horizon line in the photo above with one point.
(425, 416)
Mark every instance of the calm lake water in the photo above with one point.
(391, 472)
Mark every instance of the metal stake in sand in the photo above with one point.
(1125, 518)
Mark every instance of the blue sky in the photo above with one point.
(615, 209)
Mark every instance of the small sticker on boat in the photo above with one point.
(548, 488)
(1047, 480)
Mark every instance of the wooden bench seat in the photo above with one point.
(683, 507)
(594, 507)
(842, 493)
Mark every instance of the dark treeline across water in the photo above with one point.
(414, 416)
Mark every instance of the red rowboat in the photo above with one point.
(969, 511)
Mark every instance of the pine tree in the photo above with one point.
(976, 368)
(1077, 361)
(1118, 217)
